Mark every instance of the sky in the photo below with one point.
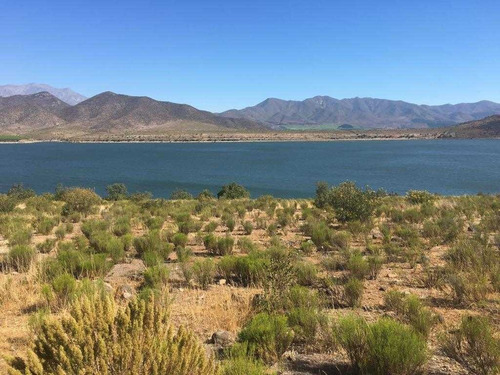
(217, 55)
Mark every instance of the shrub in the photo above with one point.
(248, 227)
(307, 247)
(375, 263)
(243, 365)
(153, 242)
(204, 272)
(7, 204)
(205, 195)
(20, 236)
(183, 254)
(180, 239)
(79, 200)
(180, 194)
(411, 311)
(20, 257)
(419, 196)
(211, 226)
(381, 348)
(122, 226)
(142, 339)
(45, 224)
(349, 202)
(19, 192)
(225, 245)
(233, 191)
(46, 246)
(268, 336)
(60, 232)
(210, 243)
(306, 273)
(353, 292)
(116, 191)
(474, 345)
(156, 277)
(358, 266)
(246, 245)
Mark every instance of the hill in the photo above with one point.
(43, 115)
(363, 112)
(488, 127)
(66, 95)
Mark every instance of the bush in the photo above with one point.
(20, 257)
(46, 246)
(153, 242)
(419, 197)
(79, 200)
(210, 243)
(19, 192)
(116, 192)
(268, 336)
(21, 236)
(233, 191)
(349, 202)
(211, 226)
(246, 245)
(411, 311)
(122, 226)
(225, 245)
(358, 266)
(180, 194)
(45, 224)
(306, 273)
(60, 232)
(180, 239)
(7, 204)
(142, 339)
(156, 277)
(248, 227)
(474, 345)
(204, 272)
(381, 348)
(353, 292)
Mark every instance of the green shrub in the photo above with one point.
(210, 243)
(142, 338)
(358, 266)
(474, 345)
(20, 257)
(225, 245)
(183, 254)
(7, 204)
(116, 192)
(60, 291)
(233, 191)
(45, 224)
(306, 273)
(156, 277)
(204, 272)
(122, 226)
(180, 194)
(79, 200)
(46, 246)
(60, 232)
(349, 202)
(152, 241)
(419, 196)
(248, 227)
(381, 348)
(353, 292)
(268, 336)
(411, 311)
(307, 247)
(211, 226)
(375, 263)
(180, 239)
(246, 245)
(20, 236)
(19, 192)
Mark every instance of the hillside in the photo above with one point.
(43, 115)
(363, 112)
(66, 95)
(488, 127)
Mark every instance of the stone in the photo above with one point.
(222, 338)
(222, 282)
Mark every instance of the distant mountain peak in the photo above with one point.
(65, 94)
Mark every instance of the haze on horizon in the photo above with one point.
(218, 55)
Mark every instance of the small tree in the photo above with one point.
(79, 200)
(180, 194)
(233, 191)
(116, 191)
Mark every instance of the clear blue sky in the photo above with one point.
(218, 55)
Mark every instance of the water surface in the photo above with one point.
(283, 169)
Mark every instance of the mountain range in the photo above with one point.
(52, 114)
(66, 95)
(362, 113)
(43, 113)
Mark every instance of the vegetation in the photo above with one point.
(285, 278)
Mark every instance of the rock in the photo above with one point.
(222, 282)
(108, 287)
(125, 291)
(222, 338)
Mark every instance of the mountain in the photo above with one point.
(107, 113)
(362, 112)
(25, 113)
(66, 95)
(488, 127)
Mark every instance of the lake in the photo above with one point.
(283, 169)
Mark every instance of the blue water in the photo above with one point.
(278, 168)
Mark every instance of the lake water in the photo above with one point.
(283, 169)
